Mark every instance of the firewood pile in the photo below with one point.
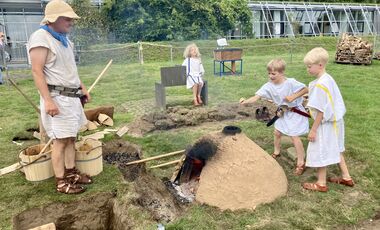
(354, 50)
(376, 56)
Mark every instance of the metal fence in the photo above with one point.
(271, 20)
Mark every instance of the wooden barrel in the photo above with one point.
(40, 169)
(88, 157)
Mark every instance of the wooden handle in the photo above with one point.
(25, 96)
(156, 157)
(45, 147)
(100, 76)
(165, 164)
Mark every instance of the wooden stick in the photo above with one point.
(155, 157)
(100, 76)
(10, 168)
(17, 165)
(165, 164)
(25, 96)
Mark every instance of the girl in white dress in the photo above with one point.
(326, 137)
(285, 92)
(194, 72)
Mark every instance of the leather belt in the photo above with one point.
(65, 91)
(280, 112)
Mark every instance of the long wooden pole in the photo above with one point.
(25, 96)
(100, 76)
(156, 157)
(165, 164)
(17, 165)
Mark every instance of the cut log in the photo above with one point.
(105, 119)
(93, 114)
(354, 50)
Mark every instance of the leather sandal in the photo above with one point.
(340, 180)
(275, 156)
(315, 187)
(76, 177)
(64, 186)
(300, 169)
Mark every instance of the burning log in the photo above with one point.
(354, 50)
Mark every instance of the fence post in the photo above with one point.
(291, 50)
(141, 56)
(171, 53)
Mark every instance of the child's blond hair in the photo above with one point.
(317, 55)
(186, 53)
(277, 65)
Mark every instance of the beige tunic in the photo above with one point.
(60, 69)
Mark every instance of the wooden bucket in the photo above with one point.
(88, 157)
(40, 169)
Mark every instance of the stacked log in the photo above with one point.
(354, 50)
(376, 56)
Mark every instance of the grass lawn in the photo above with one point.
(129, 87)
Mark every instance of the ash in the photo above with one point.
(185, 192)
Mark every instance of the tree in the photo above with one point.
(157, 20)
(92, 27)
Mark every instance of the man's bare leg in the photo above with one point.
(58, 158)
(70, 153)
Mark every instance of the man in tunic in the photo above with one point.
(56, 78)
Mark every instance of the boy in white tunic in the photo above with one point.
(326, 137)
(287, 92)
(194, 71)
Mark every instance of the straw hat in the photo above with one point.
(58, 8)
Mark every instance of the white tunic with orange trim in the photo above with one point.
(325, 96)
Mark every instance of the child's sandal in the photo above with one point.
(315, 187)
(340, 180)
(300, 169)
(275, 156)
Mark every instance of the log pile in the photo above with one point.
(376, 56)
(354, 50)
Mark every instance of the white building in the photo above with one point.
(19, 19)
(289, 19)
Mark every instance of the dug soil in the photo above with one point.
(145, 195)
(182, 116)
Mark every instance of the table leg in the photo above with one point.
(233, 67)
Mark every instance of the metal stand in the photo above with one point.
(232, 71)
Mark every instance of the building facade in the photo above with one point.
(18, 20)
(286, 19)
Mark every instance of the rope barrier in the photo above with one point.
(110, 49)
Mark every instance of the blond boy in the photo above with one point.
(285, 91)
(326, 137)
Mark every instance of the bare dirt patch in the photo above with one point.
(181, 116)
(146, 196)
(89, 213)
